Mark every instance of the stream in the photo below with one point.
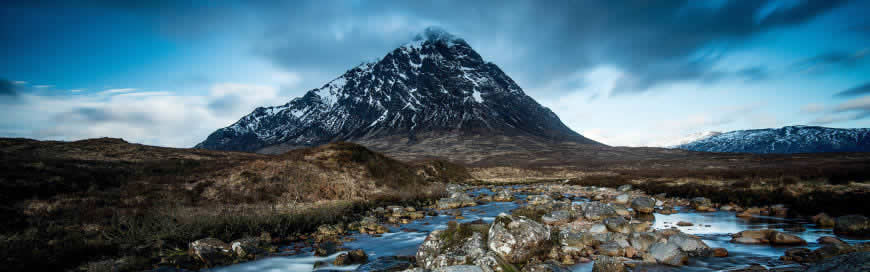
(714, 228)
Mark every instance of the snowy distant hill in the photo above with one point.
(434, 85)
(790, 139)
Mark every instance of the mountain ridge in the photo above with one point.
(435, 83)
(785, 140)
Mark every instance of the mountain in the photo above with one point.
(672, 143)
(434, 86)
(786, 140)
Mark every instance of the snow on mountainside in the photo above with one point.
(436, 83)
(673, 143)
(786, 140)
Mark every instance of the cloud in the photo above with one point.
(813, 108)
(855, 91)
(43, 86)
(536, 42)
(823, 62)
(754, 73)
(156, 118)
(118, 91)
(855, 109)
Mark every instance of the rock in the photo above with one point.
(459, 268)
(689, 244)
(448, 247)
(823, 220)
(766, 236)
(608, 264)
(857, 261)
(621, 199)
(387, 264)
(620, 210)
(557, 217)
(830, 240)
(342, 260)
(617, 224)
(539, 199)
(325, 249)
(211, 251)
(720, 252)
(639, 227)
(357, 256)
(852, 225)
(643, 204)
(684, 224)
(597, 210)
(503, 196)
(727, 208)
(798, 254)
(544, 267)
(598, 228)
(702, 203)
(247, 246)
(516, 238)
(624, 188)
(779, 238)
(641, 241)
(668, 253)
(611, 249)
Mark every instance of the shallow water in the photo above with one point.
(713, 227)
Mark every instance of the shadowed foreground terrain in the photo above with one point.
(69, 203)
(66, 203)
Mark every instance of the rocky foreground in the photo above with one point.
(557, 226)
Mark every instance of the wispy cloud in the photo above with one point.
(855, 91)
(117, 91)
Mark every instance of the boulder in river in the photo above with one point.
(823, 220)
(457, 245)
(852, 225)
(617, 224)
(557, 217)
(503, 196)
(641, 241)
(766, 236)
(247, 246)
(516, 238)
(690, 244)
(211, 251)
(624, 188)
(608, 264)
(702, 204)
(668, 253)
(388, 264)
(643, 204)
(857, 261)
(597, 210)
(621, 199)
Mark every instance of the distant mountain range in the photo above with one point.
(435, 86)
(785, 140)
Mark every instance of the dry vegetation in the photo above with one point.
(66, 203)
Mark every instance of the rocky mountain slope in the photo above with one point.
(785, 140)
(435, 85)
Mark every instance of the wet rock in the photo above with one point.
(639, 227)
(621, 210)
(448, 247)
(702, 204)
(357, 256)
(211, 251)
(621, 199)
(608, 264)
(823, 220)
(544, 267)
(326, 249)
(852, 225)
(668, 253)
(459, 268)
(766, 236)
(643, 204)
(857, 261)
(684, 224)
(830, 240)
(617, 224)
(689, 244)
(539, 199)
(612, 249)
(387, 264)
(641, 241)
(515, 238)
(557, 217)
(503, 196)
(342, 259)
(624, 188)
(720, 252)
(597, 210)
(247, 246)
(598, 228)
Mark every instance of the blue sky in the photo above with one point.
(622, 72)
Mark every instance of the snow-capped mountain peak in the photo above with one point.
(789, 139)
(436, 83)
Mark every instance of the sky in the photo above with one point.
(625, 73)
